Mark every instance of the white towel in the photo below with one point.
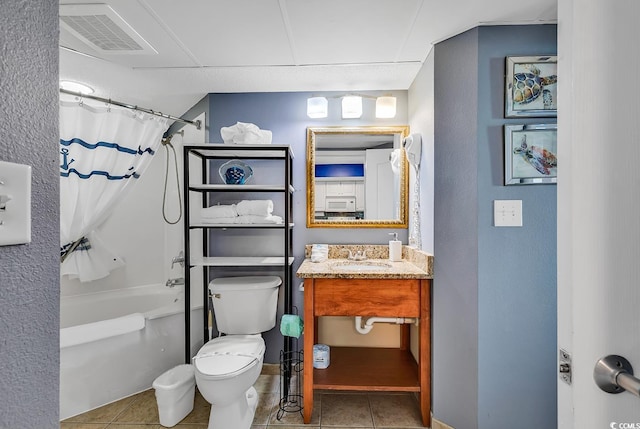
(255, 207)
(250, 219)
(217, 220)
(221, 211)
(319, 252)
(247, 219)
(245, 133)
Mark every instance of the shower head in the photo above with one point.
(167, 140)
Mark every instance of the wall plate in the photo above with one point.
(15, 203)
(507, 212)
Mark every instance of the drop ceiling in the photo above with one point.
(194, 47)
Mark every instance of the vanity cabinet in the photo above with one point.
(212, 246)
(367, 368)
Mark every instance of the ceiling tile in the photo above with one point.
(350, 32)
(228, 32)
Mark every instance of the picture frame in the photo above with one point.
(530, 154)
(531, 86)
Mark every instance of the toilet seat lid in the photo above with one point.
(228, 355)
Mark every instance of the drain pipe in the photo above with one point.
(368, 326)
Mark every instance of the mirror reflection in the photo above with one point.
(357, 176)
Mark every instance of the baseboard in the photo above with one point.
(437, 424)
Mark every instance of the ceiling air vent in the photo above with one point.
(103, 29)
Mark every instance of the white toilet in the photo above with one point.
(227, 367)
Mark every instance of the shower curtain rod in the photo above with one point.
(197, 124)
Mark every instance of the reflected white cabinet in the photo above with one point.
(341, 189)
(360, 196)
(320, 196)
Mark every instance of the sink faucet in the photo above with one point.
(360, 255)
(173, 282)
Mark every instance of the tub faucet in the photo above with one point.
(173, 282)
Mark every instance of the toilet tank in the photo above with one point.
(245, 305)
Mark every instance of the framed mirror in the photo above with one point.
(357, 177)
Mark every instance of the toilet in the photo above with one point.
(227, 366)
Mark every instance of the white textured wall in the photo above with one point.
(29, 286)
(421, 121)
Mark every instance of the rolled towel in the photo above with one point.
(255, 207)
(219, 211)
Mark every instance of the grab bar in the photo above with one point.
(614, 374)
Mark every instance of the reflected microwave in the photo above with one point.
(340, 204)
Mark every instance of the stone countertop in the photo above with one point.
(415, 263)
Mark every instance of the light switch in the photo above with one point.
(15, 203)
(507, 213)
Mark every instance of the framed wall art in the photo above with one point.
(531, 87)
(530, 154)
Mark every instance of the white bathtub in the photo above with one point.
(113, 344)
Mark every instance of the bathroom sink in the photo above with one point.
(360, 266)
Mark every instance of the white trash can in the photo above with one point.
(175, 392)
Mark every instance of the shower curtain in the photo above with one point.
(103, 151)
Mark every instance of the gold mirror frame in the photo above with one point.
(312, 222)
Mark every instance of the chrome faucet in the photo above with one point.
(173, 282)
(178, 259)
(360, 255)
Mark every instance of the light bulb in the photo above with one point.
(386, 107)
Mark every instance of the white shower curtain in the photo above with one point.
(103, 150)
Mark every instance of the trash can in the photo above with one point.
(175, 392)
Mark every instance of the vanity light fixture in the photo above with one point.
(386, 107)
(76, 87)
(351, 107)
(317, 107)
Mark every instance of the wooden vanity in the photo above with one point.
(401, 290)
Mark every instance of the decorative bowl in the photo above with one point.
(235, 172)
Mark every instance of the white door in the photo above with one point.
(598, 205)
(379, 185)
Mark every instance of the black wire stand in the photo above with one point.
(290, 382)
(291, 365)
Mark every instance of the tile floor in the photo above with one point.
(332, 409)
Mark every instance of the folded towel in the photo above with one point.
(247, 219)
(217, 220)
(260, 219)
(255, 207)
(219, 211)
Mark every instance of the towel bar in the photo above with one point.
(614, 374)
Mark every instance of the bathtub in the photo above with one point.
(113, 344)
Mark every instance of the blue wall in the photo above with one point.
(455, 291)
(30, 273)
(495, 288)
(285, 114)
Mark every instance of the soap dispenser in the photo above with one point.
(395, 248)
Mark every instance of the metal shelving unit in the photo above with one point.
(197, 162)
